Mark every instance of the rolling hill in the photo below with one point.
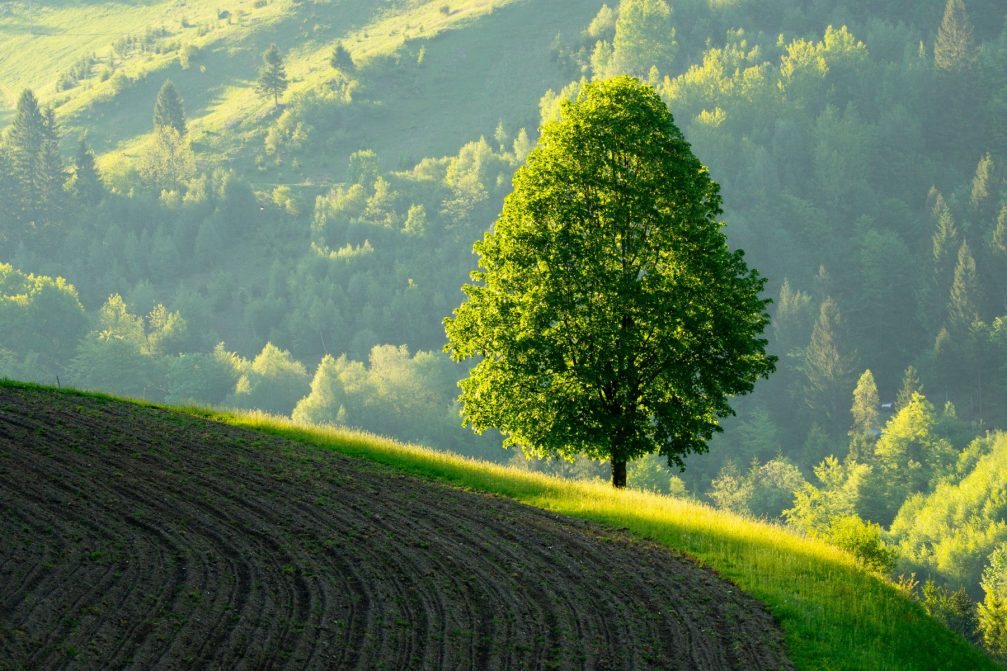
(149, 537)
(140, 538)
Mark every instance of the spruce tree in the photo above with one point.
(865, 413)
(865, 403)
(27, 137)
(86, 184)
(341, 59)
(169, 110)
(955, 49)
(53, 177)
(272, 75)
(910, 385)
(827, 370)
(962, 310)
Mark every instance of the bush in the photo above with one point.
(863, 540)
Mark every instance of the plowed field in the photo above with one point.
(137, 538)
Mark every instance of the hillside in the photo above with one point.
(298, 254)
(193, 542)
(136, 537)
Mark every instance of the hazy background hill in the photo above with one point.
(299, 257)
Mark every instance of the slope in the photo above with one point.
(136, 537)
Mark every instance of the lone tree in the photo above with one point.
(341, 59)
(168, 109)
(272, 75)
(610, 317)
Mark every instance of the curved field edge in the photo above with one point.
(834, 615)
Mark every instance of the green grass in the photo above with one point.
(834, 615)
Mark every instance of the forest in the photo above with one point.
(295, 248)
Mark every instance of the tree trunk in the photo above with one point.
(618, 473)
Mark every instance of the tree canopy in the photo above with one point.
(610, 317)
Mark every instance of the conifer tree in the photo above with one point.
(910, 385)
(934, 288)
(27, 137)
(86, 184)
(962, 310)
(341, 59)
(999, 242)
(272, 75)
(827, 370)
(954, 49)
(169, 110)
(957, 108)
(985, 174)
(865, 403)
(865, 413)
(53, 176)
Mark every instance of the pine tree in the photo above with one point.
(53, 177)
(341, 59)
(827, 370)
(865, 404)
(910, 385)
(934, 288)
(272, 75)
(86, 184)
(999, 242)
(865, 413)
(981, 182)
(168, 109)
(957, 108)
(955, 49)
(962, 310)
(27, 137)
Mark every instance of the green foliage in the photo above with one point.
(41, 318)
(909, 457)
(863, 540)
(274, 381)
(992, 611)
(644, 37)
(386, 394)
(765, 491)
(953, 608)
(953, 529)
(168, 163)
(624, 341)
(816, 509)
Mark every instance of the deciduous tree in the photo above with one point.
(609, 315)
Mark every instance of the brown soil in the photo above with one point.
(135, 538)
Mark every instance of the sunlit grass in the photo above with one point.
(834, 614)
